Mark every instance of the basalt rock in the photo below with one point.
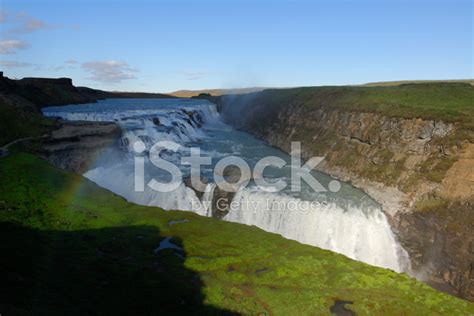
(440, 246)
(221, 199)
(194, 118)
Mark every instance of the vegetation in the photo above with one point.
(432, 204)
(18, 123)
(71, 247)
(451, 102)
(397, 83)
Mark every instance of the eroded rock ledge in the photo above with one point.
(75, 144)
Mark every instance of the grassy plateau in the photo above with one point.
(450, 102)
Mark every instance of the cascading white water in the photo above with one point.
(345, 225)
(361, 235)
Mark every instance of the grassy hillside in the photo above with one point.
(452, 102)
(397, 83)
(71, 247)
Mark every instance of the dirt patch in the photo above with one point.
(459, 180)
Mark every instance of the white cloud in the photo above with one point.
(11, 46)
(18, 24)
(14, 64)
(71, 61)
(23, 23)
(109, 71)
(32, 25)
(29, 24)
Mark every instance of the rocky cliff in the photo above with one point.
(75, 145)
(40, 92)
(419, 167)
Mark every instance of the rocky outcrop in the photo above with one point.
(221, 199)
(441, 246)
(74, 145)
(420, 170)
(46, 91)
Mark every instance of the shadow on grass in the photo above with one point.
(98, 271)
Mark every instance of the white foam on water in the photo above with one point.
(363, 235)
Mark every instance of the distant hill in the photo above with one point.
(397, 83)
(140, 95)
(219, 92)
(215, 92)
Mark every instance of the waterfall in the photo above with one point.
(359, 231)
(363, 235)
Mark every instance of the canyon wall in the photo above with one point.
(419, 169)
(74, 145)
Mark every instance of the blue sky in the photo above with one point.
(169, 45)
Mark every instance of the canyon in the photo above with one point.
(419, 169)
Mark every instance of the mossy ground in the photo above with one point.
(71, 247)
(449, 102)
(18, 123)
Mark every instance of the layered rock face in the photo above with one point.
(441, 246)
(75, 144)
(420, 170)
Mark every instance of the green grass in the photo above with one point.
(431, 204)
(17, 123)
(398, 83)
(70, 247)
(451, 102)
